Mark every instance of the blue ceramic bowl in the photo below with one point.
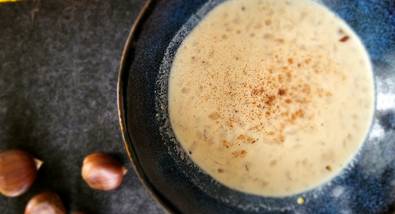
(366, 186)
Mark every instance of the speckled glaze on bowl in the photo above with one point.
(366, 186)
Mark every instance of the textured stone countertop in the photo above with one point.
(58, 75)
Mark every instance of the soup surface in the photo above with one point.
(271, 97)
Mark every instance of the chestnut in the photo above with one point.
(18, 170)
(46, 202)
(102, 172)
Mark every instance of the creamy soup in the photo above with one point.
(271, 97)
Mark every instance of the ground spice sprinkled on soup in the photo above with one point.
(271, 97)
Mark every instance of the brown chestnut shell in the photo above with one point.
(102, 172)
(18, 171)
(46, 202)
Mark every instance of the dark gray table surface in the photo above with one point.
(58, 75)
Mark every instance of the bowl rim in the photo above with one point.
(124, 66)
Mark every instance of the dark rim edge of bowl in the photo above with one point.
(125, 62)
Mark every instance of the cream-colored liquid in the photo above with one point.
(271, 97)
